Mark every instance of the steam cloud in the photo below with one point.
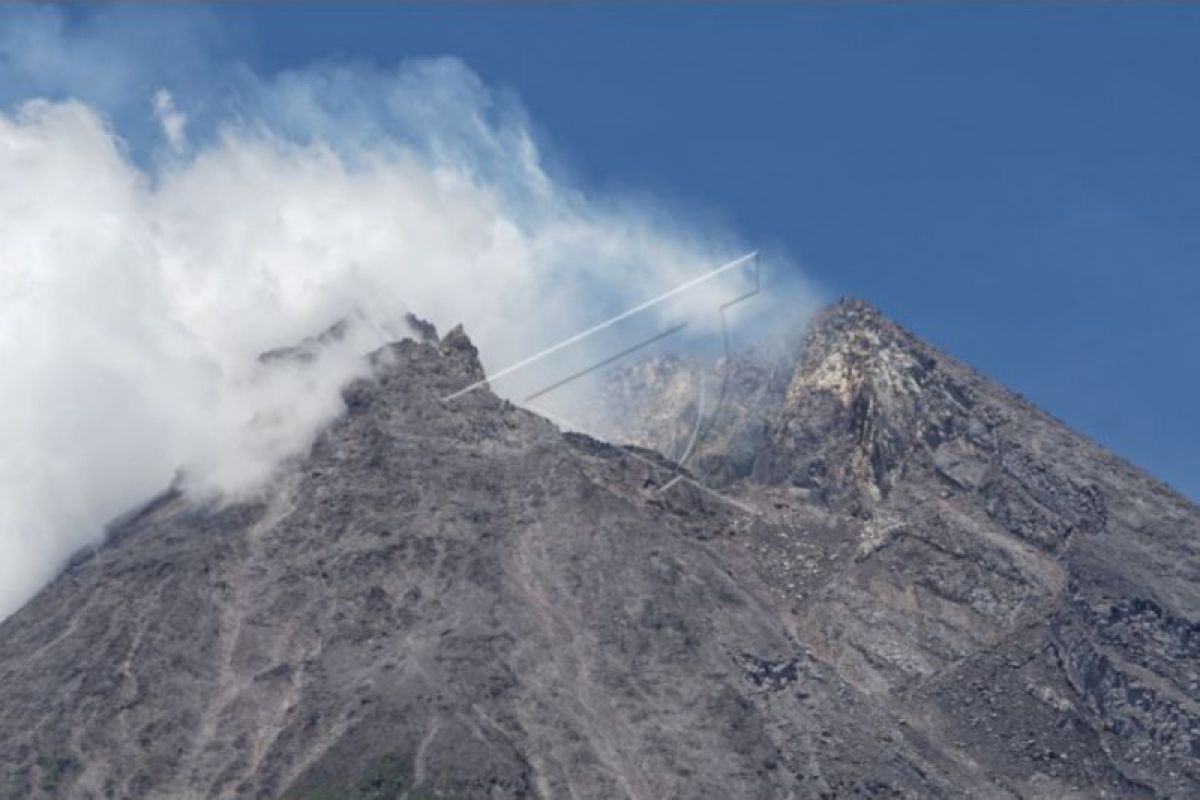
(144, 269)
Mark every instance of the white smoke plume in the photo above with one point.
(140, 280)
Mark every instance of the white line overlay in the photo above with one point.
(683, 287)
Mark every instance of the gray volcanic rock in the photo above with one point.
(939, 591)
(1023, 597)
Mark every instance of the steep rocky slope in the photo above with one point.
(938, 591)
(1024, 597)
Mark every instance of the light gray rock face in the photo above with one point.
(940, 592)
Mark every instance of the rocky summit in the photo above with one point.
(876, 574)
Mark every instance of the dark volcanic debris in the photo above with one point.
(939, 591)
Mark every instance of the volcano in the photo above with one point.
(879, 574)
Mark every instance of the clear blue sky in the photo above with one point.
(1019, 185)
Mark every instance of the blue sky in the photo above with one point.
(1019, 185)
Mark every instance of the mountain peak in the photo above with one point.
(837, 419)
(848, 316)
(864, 394)
(850, 346)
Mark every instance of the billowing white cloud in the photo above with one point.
(134, 299)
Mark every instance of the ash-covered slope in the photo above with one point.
(943, 593)
(1023, 597)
